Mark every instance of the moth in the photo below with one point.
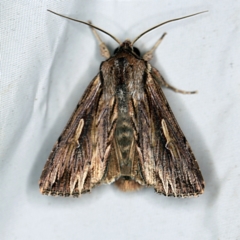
(123, 131)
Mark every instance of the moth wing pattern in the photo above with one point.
(78, 160)
(166, 159)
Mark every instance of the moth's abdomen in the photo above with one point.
(124, 132)
(127, 185)
(124, 137)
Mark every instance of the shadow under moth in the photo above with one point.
(123, 131)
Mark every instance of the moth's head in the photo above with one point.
(127, 46)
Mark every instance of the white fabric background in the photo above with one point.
(48, 61)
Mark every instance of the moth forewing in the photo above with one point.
(123, 131)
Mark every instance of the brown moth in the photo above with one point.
(123, 131)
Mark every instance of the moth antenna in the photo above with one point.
(86, 23)
(172, 20)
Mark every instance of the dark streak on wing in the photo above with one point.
(78, 160)
(179, 166)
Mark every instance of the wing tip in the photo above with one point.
(54, 193)
(181, 195)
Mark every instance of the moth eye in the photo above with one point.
(116, 50)
(136, 51)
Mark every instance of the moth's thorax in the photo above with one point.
(124, 70)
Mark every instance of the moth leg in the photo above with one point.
(103, 48)
(157, 76)
(149, 55)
